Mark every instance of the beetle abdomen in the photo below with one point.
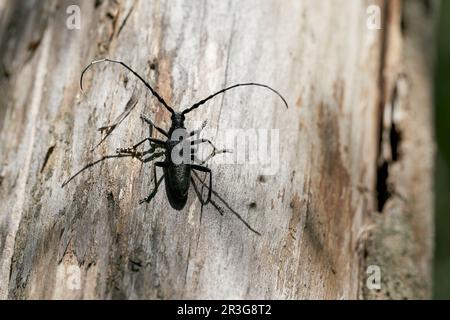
(177, 180)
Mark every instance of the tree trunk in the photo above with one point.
(351, 198)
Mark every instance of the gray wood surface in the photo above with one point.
(326, 214)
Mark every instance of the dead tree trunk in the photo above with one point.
(354, 183)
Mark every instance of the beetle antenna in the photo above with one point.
(198, 104)
(160, 99)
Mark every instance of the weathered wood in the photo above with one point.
(401, 239)
(340, 201)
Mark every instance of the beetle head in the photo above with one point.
(177, 120)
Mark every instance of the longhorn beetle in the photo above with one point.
(177, 175)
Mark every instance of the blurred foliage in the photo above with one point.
(442, 177)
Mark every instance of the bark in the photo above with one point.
(354, 185)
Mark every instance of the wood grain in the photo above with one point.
(319, 215)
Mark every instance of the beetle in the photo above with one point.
(178, 175)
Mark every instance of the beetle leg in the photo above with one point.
(91, 164)
(225, 203)
(196, 132)
(197, 192)
(158, 142)
(152, 156)
(207, 170)
(157, 182)
(215, 151)
(132, 150)
(150, 122)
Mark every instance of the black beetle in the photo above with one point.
(176, 173)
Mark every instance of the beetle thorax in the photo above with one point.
(177, 120)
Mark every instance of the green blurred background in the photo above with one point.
(442, 100)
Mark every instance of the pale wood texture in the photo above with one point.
(327, 214)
